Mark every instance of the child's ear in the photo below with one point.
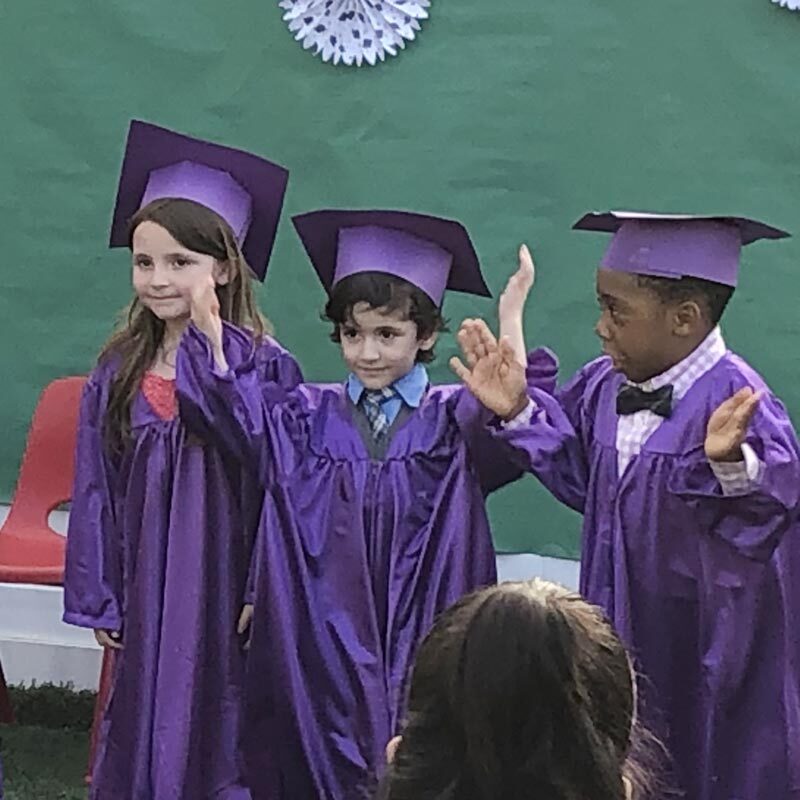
(428, 343)
(688, 317)
(222, 273)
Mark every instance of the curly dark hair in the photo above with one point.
(380, 290)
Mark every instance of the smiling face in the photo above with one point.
(164, 271)
(380, 346)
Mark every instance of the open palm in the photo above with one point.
(728, 426)
(512, 301)
(205, 311)
(492, 373)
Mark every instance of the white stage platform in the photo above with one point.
(36, 646)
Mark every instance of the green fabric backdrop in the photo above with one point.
(512, 116)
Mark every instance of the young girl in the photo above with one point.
(376, 518)
(522, 690)
(161, 526)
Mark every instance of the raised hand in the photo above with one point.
(492, 372)
(205, 309)
(727, 429)
(205, 315)
(511, 305)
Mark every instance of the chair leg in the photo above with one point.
(103, 692)
(6, 709)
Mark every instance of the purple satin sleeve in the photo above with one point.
(551, 447)
(753, 523)
(93, 571)
(231, 410)
(494, 460)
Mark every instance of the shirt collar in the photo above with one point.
(685, 373)
(411, 387)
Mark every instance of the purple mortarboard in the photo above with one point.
(677, 245)
(245, 190)
(432, 253)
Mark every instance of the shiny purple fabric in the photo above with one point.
(158, 547)
(356, 558)
(705, 589)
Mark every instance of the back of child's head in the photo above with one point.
(390, 294)
(519, 691)
(713, 298)
(134, 345)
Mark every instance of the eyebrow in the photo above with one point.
(184, 254)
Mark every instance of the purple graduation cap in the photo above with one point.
(245, 190)
(677, 245)
(432, 253)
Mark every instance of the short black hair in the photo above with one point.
(714, 297)
(380, 290)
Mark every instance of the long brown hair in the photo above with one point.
(134, 344)
(519, 690)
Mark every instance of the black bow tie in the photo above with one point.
(631, 399)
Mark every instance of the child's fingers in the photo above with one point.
(744, 413)
(203, 297)
(466, 341)
(107, 639)
(487, 340)
(477, 345)
(726, 410)
(199, 290)
(527, 269)
(460, 370)
(391, 749)
(506, 350)
(245, 618)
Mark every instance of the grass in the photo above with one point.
(45, 754)
(44, 764)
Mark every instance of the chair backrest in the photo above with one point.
(48, 465)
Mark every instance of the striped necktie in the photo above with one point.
(372, 404)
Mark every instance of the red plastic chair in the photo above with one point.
(30, 552)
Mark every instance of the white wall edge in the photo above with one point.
(35, 645)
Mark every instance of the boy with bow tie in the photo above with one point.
(687, 472)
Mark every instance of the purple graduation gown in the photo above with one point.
(158, 547)
(705, 589)
(357, 556)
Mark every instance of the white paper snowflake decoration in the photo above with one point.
(353, 32)
(792, 5)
